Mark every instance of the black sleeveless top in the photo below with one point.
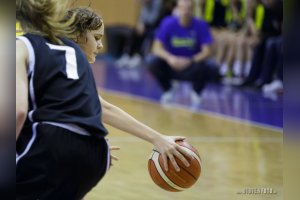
(61, 86)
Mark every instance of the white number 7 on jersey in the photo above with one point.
(71, 62)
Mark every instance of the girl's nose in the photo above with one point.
(100, 45)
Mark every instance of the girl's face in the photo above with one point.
(91, 43)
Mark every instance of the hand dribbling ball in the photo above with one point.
(172, 180)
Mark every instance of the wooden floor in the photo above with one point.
(235, 156)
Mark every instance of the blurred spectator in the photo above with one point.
(247, 38)
(267, 55)
(225, 17)
(140, 38)
(273, 62)
(181, 49)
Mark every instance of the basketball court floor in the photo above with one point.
(238, 134)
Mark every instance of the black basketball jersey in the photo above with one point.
(62, 89)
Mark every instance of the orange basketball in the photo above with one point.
(172, 180)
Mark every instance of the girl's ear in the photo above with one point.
(76, 39)
(82, 38)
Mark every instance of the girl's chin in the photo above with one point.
(92, 59)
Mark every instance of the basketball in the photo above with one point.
(172, 180)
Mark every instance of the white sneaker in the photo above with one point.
(196, 100)
(135, 61)
(123, 61)
(223, 70)
(237, 69)
(167, 97)
(247, 68)
(275, 86)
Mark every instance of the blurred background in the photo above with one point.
(235, 119)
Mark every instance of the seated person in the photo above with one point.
(181, 49)
(139, 38)
(225, 18)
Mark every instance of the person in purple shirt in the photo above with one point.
(181, 50)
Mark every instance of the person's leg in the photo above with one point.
(240, 53)
(200, 74)
(136, 53)
(198, 77)
(147, 42)
(161, 71)
(220, 45)
(221, 48)
(250, 45)
(60, 164)
(269, 62)
(256, 63)
(135, 42)
(123, 36)
(280, 58)
(230, 50)
(117, 37)
(276, 86)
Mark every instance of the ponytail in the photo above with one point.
(44, 17)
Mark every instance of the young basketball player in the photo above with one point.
(88, 35)
(61, 150)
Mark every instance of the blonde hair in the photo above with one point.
(44, 17)
(85, 20)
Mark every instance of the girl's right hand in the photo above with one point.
(169, 149)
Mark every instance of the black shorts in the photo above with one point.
(56, 164)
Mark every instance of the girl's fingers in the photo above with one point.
(114, 148)
(114, 157)
(182, 158)
(165, 161)
(173, 161)
(185, 152)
